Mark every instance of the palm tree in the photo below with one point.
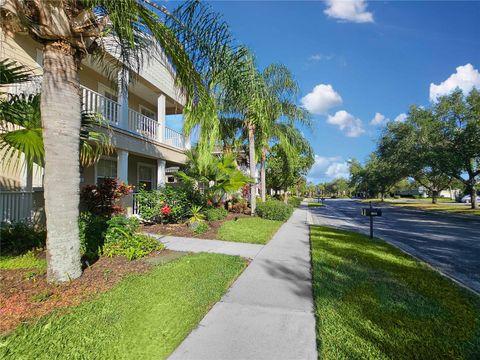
(281, 115)
(243, 102)
(68, 31)
(221, 175)
(21, 124)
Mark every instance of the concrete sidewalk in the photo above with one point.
(175, 243)
(268, 311)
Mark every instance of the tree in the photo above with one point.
(411, 147)
(282, 113)
(283, 173)
(457, 124)
(69, 30)
(242, 100)
(221, 176)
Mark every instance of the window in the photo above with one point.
(106, 169)
(146, 176)
(171, 179)
(148, 113)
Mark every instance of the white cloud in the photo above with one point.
(348, 123)
(378, 119)
(321, 99)
(349, 10)
(401, 117)
(466, 78)
(320, 57)
(328, 168)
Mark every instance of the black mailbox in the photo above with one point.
(371, 212)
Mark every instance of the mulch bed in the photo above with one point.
(26, 295)
(183, 230)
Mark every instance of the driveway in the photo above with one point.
(450, 243)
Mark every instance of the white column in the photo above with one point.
(123, 99)
(161, 111)
(122, 165)
(161, 173)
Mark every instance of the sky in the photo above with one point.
(361, 63)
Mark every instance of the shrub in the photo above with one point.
(92, 234)
(241, 206)
(103, 199)
(295, 201)
(274, 210)
(122, 239)
(170, 204)
(19, 238)
(201, 228)
(215, 214)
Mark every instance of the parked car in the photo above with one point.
(468, 199)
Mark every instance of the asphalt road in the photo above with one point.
(450, 243)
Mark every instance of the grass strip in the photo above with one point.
(143, 317)
(253, 230)
(374, 301)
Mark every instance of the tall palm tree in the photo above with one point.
(282, 114)
(68, 31)
(242, 101)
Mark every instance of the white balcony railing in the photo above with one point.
(137, 122)
(174, 138)
(143, 125)
(95, 102)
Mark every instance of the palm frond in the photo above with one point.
(12, 72)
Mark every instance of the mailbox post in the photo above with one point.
(370, 211)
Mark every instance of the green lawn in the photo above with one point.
(25, 261)
(143, 317)
(373, 301)
(253, 230)
(311, 204)
(426, 205)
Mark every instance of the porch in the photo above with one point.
(149, 125)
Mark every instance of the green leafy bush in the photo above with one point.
(122, 239)
(201, 228)
(215, 214)
(295, 201)
(274, 210)
(168, 205)
(92, 234)
(19, 238)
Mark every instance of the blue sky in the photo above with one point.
(361, 58)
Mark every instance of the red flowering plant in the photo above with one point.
(104, 199)
(167, 205)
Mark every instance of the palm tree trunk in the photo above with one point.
(60, 108)
(253, 167)
(263, 170)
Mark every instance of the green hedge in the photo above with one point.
(274, 210)
(295, 201)
(215, 214)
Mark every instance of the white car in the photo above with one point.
(468, 199)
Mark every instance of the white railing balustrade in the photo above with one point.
(174, 138)
(16, 206)
(143, 125)
(138, 123)
(97, 103)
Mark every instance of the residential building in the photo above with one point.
(145, 149)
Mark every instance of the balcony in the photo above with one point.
(137, 123)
